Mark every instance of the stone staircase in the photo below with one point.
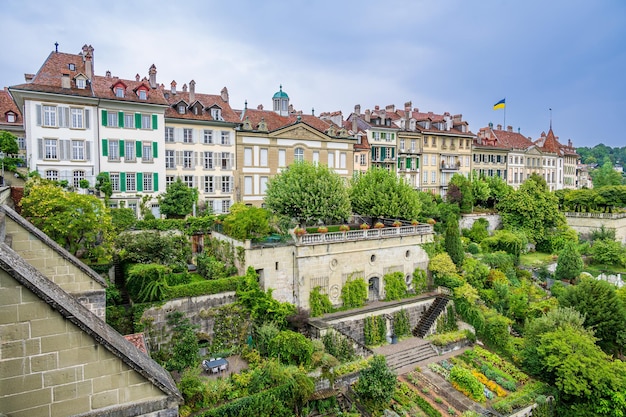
(407, 353)
(431, 315)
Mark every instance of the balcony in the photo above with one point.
(369, 234)
(450, 167)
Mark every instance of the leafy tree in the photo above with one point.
(123, 219)
(441, 264)
(381, 193)
(462, 194)
(453, 244)
(103, 184)
(605, 176)
(478, 231)
(319, 303)
(376, 383)
(245, 222)
(604, 312)
(291, 348)
(498, 191)
(475, 272)
(178, 200)
(570, 264)
(80, 223)
(505, 240)
(8, 143)
(309, 193)
(154, 247)
(608, 252)
(185, 343)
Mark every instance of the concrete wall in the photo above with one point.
(51, 367)
(585, 223)
(467, 220)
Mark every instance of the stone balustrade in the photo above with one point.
(368, 234)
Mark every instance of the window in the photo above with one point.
(115, 182)
(147, 181)
(146, 155)
(129, 121)
(281, 158)
(78, 150)
(247, 157)
(52, 174)
(169, 159)
(71, 67)
(263, 184)
(433, 141)
(433, 176)
(208, 184)
(247, 185)
(10, 117)
(298, 154)
(133, 206)
(425, 141)
(401, 144)
(77, 118)
(412, 145)
(226, 160)
(49, 116)
(114, 150)
(226, 184)
(187, 136)
(425, 177)
(342, 160)
(51, 150)
(331, 159)
(145, 121)
(433, 160)
(208, 137)
(208, 160)
(363, 159)
(112, 119)
(188, 180)
(143, 95)
(129, 150)
(169, 134)
(467, 161)
(181, 109)
(216, 114)
(80, 83)
(78, 176)
(188, 159)
(169, 180)
(131, 181)
(225, 206)
(263, 157)
(21, 143)
(316, 157)
(225, 138)
(119, 92)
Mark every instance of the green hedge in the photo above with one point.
(274, 402)
(203, 288)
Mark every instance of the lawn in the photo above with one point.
(536, 259)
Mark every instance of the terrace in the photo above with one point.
(368, 234)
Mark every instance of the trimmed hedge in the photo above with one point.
(203, 288)
(269, 403)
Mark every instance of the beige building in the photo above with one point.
(57, 355)
(269, 141)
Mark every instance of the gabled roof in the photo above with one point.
(502, 139)
(8, 105)
(206, 100)
(549, 143)
(103, 88)
(274, 121)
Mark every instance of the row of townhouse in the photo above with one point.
(73, 125)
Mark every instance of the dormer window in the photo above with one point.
(216, 113)
(195, 110)
(119, 92)
(11, 117)
(143, 94)
(80, 83)
(181, 109)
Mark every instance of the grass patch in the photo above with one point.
(596, 270)
(536, 259)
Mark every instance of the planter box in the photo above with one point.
(450, 347)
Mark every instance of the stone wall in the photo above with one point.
(467, 220)
(585, 223)
(51, 367)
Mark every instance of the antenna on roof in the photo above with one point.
(56, 47)
(550, 117)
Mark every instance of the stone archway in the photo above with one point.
(373, 289)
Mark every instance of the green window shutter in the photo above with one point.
(155, 182)
(122, 181)
(140, 181)
(104, 118)
(154, 121)
(408, 163)
(417, 163)
(120, 119)
(121, 148)
(138, 148)
(105, 146)
(138, 120)
(393, 152)
(398, 163)
(155, 150)
(383, 153)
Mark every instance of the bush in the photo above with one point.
(339, 346)
(203, 288)
(473, 248)
(420, 281)
(354, 293)
(375, 330)
(463, 380)
(291, 348)
(395, 287)
(320, 303)
(401, 325)
(147, 282)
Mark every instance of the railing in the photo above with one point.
(450, 166)
(352, 235)
(596, 215)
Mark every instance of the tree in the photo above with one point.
(103, 184)
(605, 176)
(464, 197)
(80, 223)
(245, 222)
(8, 143)
(146, 247)
(185, 343)
(381, 193)
(178, 200)
(453, 244)
(608, 252)
(570, 264)
(308, 193)
(376, 383)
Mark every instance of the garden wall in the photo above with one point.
(467, 220)
(585, 223)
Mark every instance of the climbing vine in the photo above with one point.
(375, 330)
(401, 324)
(354, 293)
(319, 303)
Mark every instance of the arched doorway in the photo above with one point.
(373, 289)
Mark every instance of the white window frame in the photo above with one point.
(208, 160)
(146, 121)
(263, 155)
(169, 134)
(49, 116)
(146, 152)
(208, 137)
(51, 149)
(247, 157)
(78, 150)
(147, 182)
(77, 116)
(225, 137)
(187, 135)
(129, 150)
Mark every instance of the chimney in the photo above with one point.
(368, 115)
(192, 91)
(29, 77)
(390, 108)
(355, 118)
(259, 107)
(490, 125)
(224, 94)
(65, 81)
(407, 115)
(137, 77)
(499, 127)
(108, 74)
(383, 116)
(173, 87)
(509, 128)
(184, 88)
(88, 58)
(152, 76)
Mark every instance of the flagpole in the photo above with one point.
(504, 121)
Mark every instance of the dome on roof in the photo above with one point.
(280, 93)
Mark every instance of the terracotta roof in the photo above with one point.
(549, 143)
(8, 105)
(513, 140)
(103, 88)
(206, 100)
(275, 121)
(138, 340)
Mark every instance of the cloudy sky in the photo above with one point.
(457, 56)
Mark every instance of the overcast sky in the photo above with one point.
(458, 56)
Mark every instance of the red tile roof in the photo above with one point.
(103, 88)
(275, 121)
(138, 340)
(206, 100)
(8, 105)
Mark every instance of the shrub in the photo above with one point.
(395, 287)
(203, 288)
(339, 346)
(354, 293)
(375, 330)
(463, 380)
(319, 303)
(147, 282)
(401, 325)
(291, 348)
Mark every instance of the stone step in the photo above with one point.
(411, 356)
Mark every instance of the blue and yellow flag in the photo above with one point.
(499, 105)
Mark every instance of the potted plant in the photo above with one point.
(397, 223)
(414, 222)
(299, 231)
(379, 225)
(431, 221)
(322, 229)
(344, 228)
(364, 226)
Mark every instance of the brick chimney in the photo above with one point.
(192, 91)
(224, 94)
(89, 62)
(173, 87)
(368, 115)
(152, 76)
(184, 88)
(390, 108)
(65, 81)
(355, 117)
(137, 77)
